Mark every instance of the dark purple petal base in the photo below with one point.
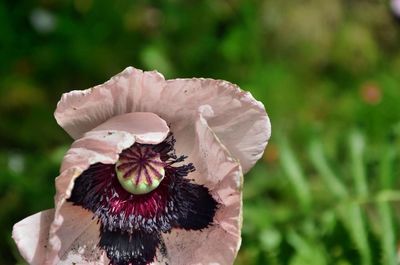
(137, 248)
(131, 224)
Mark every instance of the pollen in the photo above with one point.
(140, 169)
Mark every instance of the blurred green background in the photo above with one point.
(327, 189)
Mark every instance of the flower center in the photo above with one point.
(140, 169)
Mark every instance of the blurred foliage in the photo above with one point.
(327, 189)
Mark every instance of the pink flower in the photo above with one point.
(395, 6)
(154, 175)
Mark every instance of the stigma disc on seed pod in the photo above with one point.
(139, 169)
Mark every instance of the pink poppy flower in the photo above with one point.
(154, 175)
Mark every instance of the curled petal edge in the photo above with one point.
(80, 111)
(223, 175)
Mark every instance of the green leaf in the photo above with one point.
(387, 237)
(388, 241)
(296, 177)
(357, 145)
(317, 156)
(308, 252)
(353, 219)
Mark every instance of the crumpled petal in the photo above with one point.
(84, 249)
(76, 239)
(217, 170)
(31, 236)
(80, 111)
(151, 130)
(96, 146)
(239, 121)
(79, 242)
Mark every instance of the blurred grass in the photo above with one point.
(327, 188)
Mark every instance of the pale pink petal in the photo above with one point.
(82, 110)
(31, 236)
(97, 146)
(216, 169)
(75, 241)
(146, 126)
(239, 121)
(79, 234)
(84, 250)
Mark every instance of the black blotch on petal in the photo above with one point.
(138, 248)
(195, 207)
